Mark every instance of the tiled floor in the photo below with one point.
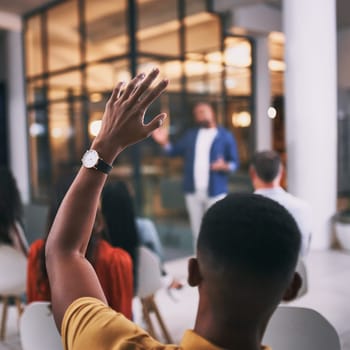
(329, 293)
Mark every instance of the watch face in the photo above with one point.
(90, 158)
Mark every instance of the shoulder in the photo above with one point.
(90, 324)
(223, 132)
(296, 202)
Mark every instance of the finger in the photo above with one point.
(153, 94)
(155, 123)
(132, 86)
(144, 85)
(116, 92)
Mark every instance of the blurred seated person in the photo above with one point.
(127, 231)
(11, 228)
(113, 266)
(266, 171)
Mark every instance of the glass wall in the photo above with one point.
(77, 50)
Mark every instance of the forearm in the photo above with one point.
(73, 224)
(75, 218)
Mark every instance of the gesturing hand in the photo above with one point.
(219, 165)
(123, 119)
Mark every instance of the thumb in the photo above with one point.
(155, 123)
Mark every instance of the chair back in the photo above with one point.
(149, 275)
(38, 329)
(301, 269)
(299, 328)
(13, 271)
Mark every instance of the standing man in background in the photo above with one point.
(210, 154)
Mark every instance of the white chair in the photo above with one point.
(149, 282)
(38, 329)
(301, 269)
(293, 328)
(13, 269)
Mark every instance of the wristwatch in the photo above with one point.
(92, 160)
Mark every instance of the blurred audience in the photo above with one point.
(113, 266)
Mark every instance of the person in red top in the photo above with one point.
(113, 266)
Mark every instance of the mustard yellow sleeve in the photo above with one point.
(89, 324)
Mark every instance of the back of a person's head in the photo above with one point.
(119, 214)
(248, 244)
(10, 203)
(118, 211)
(267, 165)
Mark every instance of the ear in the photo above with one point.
(281, 171)
(293, 289)
(194, 274)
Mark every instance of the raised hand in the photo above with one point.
(123, 119)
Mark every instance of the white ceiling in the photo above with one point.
(21, 7)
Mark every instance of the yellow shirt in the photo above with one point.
(89, 324)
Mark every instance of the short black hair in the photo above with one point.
(252, 234)
(266, 164)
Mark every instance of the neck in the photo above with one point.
(221, 334)
(261, 185)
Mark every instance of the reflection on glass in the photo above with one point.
(63, 35)
(106, 29)
(158, 34)
(173, 71)
(239, 121)
(202, 33)
(103, 77)
(40, 155)
(276, 63)
(66, 136)
(202, 77)
(238, 81)
(35, 92)
(33, 53)
(237, 58)
(237, 53)
(64, 85)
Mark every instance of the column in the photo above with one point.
(311, 111)
(17, 125)
(263, 135)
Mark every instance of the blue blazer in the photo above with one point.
(224, 146)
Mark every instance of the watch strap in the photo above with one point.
(103, 166)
